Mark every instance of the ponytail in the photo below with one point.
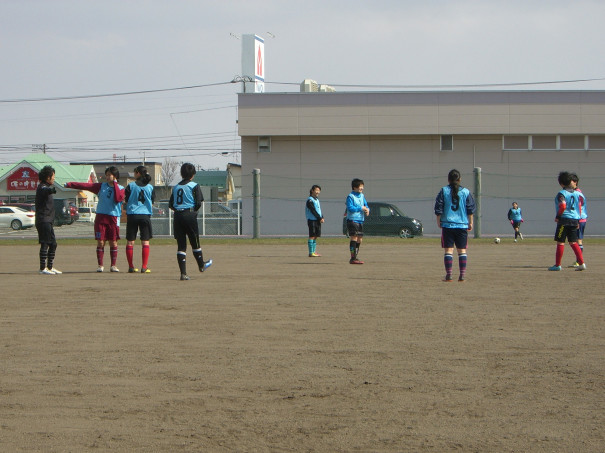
(145, 176)
(453, 178)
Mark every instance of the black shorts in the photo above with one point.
(354, 228)
(516, 224)
(46, 233)
(138, 222)
(314, 228)
(185, 226)
(566, 230)
(451, 237)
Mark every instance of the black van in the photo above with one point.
(66, 211)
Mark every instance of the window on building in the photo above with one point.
(264, 144)
(544, 142)
(520, 142)
(596, 142)
(571, 142)
(447, 143)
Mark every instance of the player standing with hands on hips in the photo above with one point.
(186, 199)
(45, 216)
(357, 209)
(567, 205)
(516, 219)
(314, 219)
(139, 196)
(109, 210)
(454, 208)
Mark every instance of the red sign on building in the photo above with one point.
(23, 178)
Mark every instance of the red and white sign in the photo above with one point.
(23, 178)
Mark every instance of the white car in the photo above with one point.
(16, 218)
(87, 214)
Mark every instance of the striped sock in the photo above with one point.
(43, 255)
(113, 251)
(462, 264)
(448, 261)
(100, 255)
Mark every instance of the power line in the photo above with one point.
(126, 93)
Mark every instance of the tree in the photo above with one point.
(170, 169)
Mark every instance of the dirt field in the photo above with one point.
(270, 350)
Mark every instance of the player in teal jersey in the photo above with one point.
(139, 196)
(454, 208)
(356, 211)
(109, 210)
(516, 219)
(567, 205)
(314, 219)
(583, 215)
(185, 201)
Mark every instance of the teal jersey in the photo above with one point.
(107, 204)
(140, 199)
(454, 213)
(572, 204)
(183, 196)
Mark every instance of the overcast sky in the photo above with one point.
(71, 48)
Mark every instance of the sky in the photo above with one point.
(67, 65)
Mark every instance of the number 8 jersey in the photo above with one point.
(183, 195)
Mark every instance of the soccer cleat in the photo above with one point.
(447, 278)
(355, 261)
(145, 271)
(55, 271)
(185, 277)
(313, 255)
(205, 265)
(114, 269)
(581, 267)
(461, 278)
(554, 268)
(46, 271)
(100, 269)
(574, 265)
(132, 270)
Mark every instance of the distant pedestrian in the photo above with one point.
(45, 217)
(109, 210)
(454, 208)
(314, 219)
(567, 205)
(139, 196)
(356, 212)
(516, 219)
(186, 199)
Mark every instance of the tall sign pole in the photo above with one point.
(253, 63)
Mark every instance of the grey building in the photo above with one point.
(403, 144)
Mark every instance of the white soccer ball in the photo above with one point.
(496, 240)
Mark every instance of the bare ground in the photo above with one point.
(270, 350)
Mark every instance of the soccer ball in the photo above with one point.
(496, 240)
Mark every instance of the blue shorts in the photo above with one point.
(454, 236)
(581, 230)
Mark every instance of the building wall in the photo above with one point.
(319, 140)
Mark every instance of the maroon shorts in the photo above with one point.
(106, 228)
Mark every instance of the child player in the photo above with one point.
(314, 219)
(139, 196)
(45, 216)
(186, 199)
(567, 204)
(583, 215)
(516, 219)
(454, 208)
(109, 210)
(357, 209)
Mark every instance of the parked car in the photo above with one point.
(158, 212)
(27, 206)
(87, 214)
(16, 218)
(66, 212)
(386, 219)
